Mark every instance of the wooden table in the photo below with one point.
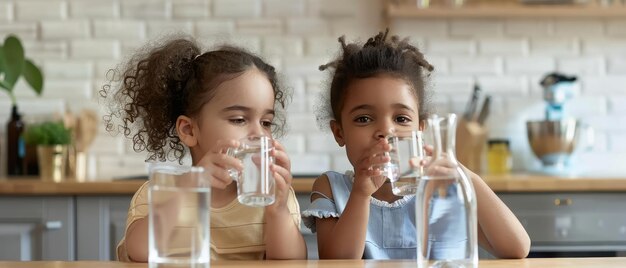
(526, 263)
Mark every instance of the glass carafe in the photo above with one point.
(446, 203)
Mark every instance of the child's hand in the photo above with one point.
(282, 176)
(368, 176)
(217, 162)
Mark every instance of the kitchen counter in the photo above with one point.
(499, 183)
(526, 263)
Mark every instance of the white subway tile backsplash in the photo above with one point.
(286, 46)
(280, 8)
(606, 123)
(67, 69)
(308, 26)
(529, 65)
(46, 49)
(525, 27)
(586, 105)
(64, 29)
(554, 47)
(260, 26)
(94, 9)
(604, 85)
(450, 47)
(110, 166)
(200, 9)
(107, 144)
(578, 27)
(440, 63)
(77, 42)
(582, 66)
(302, 122)
(475, 65)
(330, 9)
(56, 89)
(157, 29)
(294, 143)
(616, 28)
(321, 46)
(617, 65)
(322, 143)
(94, 48)
(6, 12)
(452, 84)
(309, 164)
(504, 47)
(303, 66)
(476, 28)
(214, 27)
(26, 30)
(617, 104)
(146, 9)
(617, 142)
(341, 163)
(28, 10)
(609, 47)
(503, 85)
(237, 8)
(119, 29)
(417, 28)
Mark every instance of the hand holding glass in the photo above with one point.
(407, 150)
(255, 184)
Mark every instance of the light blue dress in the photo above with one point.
(391, 230)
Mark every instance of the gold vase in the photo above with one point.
(52, 162)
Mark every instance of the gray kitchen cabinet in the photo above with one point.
(36, 228)
(101, 221)
(572, 222)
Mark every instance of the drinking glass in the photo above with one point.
(255, 184)
(405, 146)
(179, 200)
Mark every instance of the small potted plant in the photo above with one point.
(52, 140)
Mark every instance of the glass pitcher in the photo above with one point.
(446, 203)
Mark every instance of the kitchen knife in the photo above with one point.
(484, 111)
(471, 106)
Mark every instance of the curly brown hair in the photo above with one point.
(165, 81)
(395, 57)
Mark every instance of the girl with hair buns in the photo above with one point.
(378, 88)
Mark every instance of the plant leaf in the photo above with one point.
(2, 68)
(13, 60)
(33, 76)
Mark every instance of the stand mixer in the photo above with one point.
(554, 138)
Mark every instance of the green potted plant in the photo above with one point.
(52, 140)
(14, 65)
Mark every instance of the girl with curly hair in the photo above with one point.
(173, 99)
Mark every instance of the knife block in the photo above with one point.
(471, 138)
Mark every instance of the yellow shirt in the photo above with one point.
(236, 229)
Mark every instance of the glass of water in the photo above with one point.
(403, 175)
(255, 184)
(179, 199)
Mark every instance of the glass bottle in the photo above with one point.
(16, 149)
(446, 203)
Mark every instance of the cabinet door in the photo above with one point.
(101, 221)
(36, 228)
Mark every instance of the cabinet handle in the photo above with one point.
(563, 201)
(53, 225)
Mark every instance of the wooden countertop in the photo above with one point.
(526, 263)
(499, 183)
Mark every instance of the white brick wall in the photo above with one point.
(77, 42)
